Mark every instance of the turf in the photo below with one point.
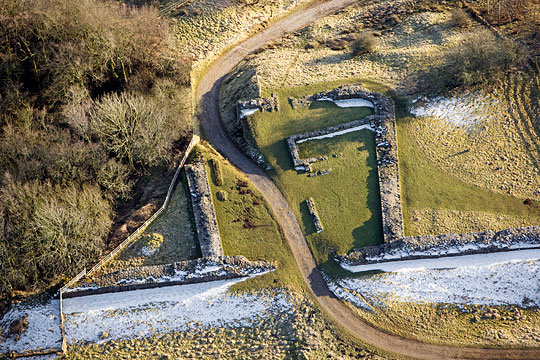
(424, 186)
(247, 226)
(347, 199)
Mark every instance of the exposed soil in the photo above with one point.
(208, 92)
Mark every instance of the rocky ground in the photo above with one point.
(302, 333)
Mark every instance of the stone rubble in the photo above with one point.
(178, 273)
(384, 123)
(314, 215)
(268, 104)
(203, 210)
(436, 246)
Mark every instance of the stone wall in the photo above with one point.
(314, 215)
(268, 104)
(179, 273)
(435, 246)
(203, 210)
(384, 125)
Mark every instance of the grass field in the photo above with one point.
(347, 199)
(172, 236)
(426, 187)
(247, 226)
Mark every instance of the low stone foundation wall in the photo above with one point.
(384, 125)
(435, 246)
(203, 210)
(268, 104)
(314, 215)
(179, 273)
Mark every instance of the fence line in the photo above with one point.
(172, 6)
(128, 241)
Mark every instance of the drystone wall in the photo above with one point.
(383, 122)
(243, 111)
(179, 273)
(203, 210)
(314, 215)
(435, 246)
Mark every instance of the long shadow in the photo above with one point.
(307, 220)
(370, 233)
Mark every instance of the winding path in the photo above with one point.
(207, 97)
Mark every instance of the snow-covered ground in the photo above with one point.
(337, 133)
(141, 313)
(43, 327)
(505, 282)
(248, 112)
(464, 111)
(349, 102)
(448, 262)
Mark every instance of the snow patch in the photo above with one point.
(337, 133)
(149, 250)
(464, 111)
(141, 313)
(244, 113)
(510, 283)
(346, 103)
(43, 327)
(448, 262)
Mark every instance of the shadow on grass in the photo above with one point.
(307, 219)
(370, 233)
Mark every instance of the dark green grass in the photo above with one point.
(347, 199)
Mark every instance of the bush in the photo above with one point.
(92, 93)
(131, 127)
(48, 231)
(480, 58)
(366, 43)
(460, 18)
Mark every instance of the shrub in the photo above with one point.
(49, 231)
(460, 18)
(221, 196)
(366, 43)
(480, 58)
(133, 128)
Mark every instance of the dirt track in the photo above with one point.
(210, 120)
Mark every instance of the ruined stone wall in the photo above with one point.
(203, 210)
(435, 246)
(268, 104)
(384, 125)
(179, 273)
(314, 215)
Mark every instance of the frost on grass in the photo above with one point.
(142, 313)
(43, 330)
(509, 282)
(465, 111)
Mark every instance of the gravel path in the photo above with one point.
(210, 120)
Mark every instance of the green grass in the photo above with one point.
(174, 226)
(424, 186)
(347, 199)
(247, 226)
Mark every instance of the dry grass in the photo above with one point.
(444, 324)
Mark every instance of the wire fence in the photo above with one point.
(174, 5)
(127, 242)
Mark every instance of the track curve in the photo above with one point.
(207, 97)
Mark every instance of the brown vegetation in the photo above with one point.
(92, 94)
